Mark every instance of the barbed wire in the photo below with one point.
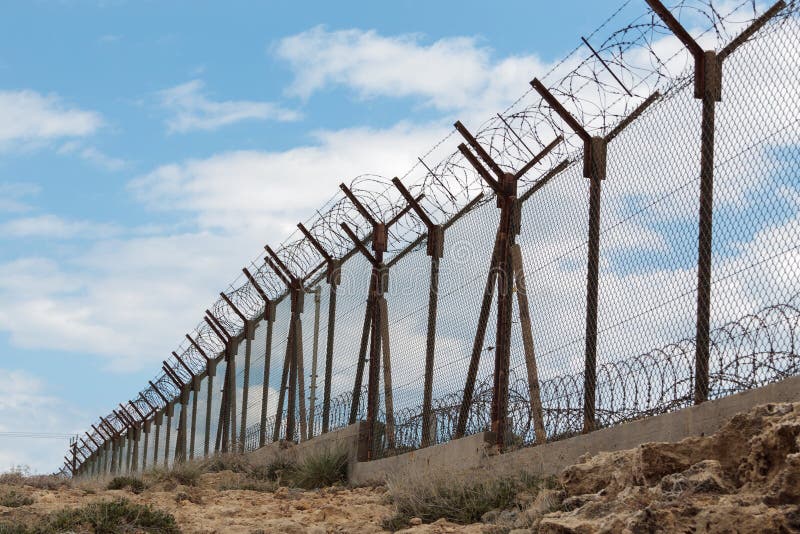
(600, 82)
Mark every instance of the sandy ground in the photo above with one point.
(744, 478)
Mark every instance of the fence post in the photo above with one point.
(312, 399)
(211, 369)
(377, 317)
(293, 364)
(146, 429)
(158, 419)
(180, 449)
(269, 317)
(249, 332)
(594, 168)
(196, 383)
(225, 424)
(170, 411)
(708, 89)
(434, 250)
(505, 189)
(334, 278)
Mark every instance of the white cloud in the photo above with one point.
(92, 155)
(52, 226)
(12, 196)
(26, 406)
(126, 300)
(27, 116)
(452, 73)
(273, 190)
(192, 110)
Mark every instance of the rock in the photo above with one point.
(507, 517)
(546, 501)
(490, 516)
(703, 477)
(414, 521)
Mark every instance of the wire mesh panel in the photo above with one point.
(629, 168)
(756, 265)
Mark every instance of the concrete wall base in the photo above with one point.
(477, 451)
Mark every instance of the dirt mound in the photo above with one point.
(744, 478)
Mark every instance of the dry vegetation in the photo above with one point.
(745, 478)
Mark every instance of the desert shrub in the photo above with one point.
(278, 470)
(320, 470)
(20, 475)
(461, 498)
(187, 474)
(192, 495)
(13, 499)
(106, 517)
(226, 462)
(15, 528)
(136, 485)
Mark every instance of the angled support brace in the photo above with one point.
(269, 317)
(501, 273)
(333, 277)
(249, 328)
(293, 363)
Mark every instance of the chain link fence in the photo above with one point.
(346, 324)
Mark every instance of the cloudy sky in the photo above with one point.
(147, 151)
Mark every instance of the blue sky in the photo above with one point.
(148, 150)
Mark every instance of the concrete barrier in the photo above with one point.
(462, 454)
(700, 420)
(476, 451)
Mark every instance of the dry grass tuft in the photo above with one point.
(14, 499)
(458, 497)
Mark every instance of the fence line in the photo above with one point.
(584, 289)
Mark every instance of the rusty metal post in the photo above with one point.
(287, 363)
(355, 399)
(333, 282)
(527, 341)
(505, 189)
(312, 399)
(477, 345)
(180, 448)
(379, 279)
(269, 316)
(250, 329)
(435, 250)
(292, 388)
(708, 89)
(74, 460)
(294, 348)
(146, 430)
(212, 371)
(158, 419)
(170, 411)
(333, 277)
(195, 390)
(249, 333)
(595, 150)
